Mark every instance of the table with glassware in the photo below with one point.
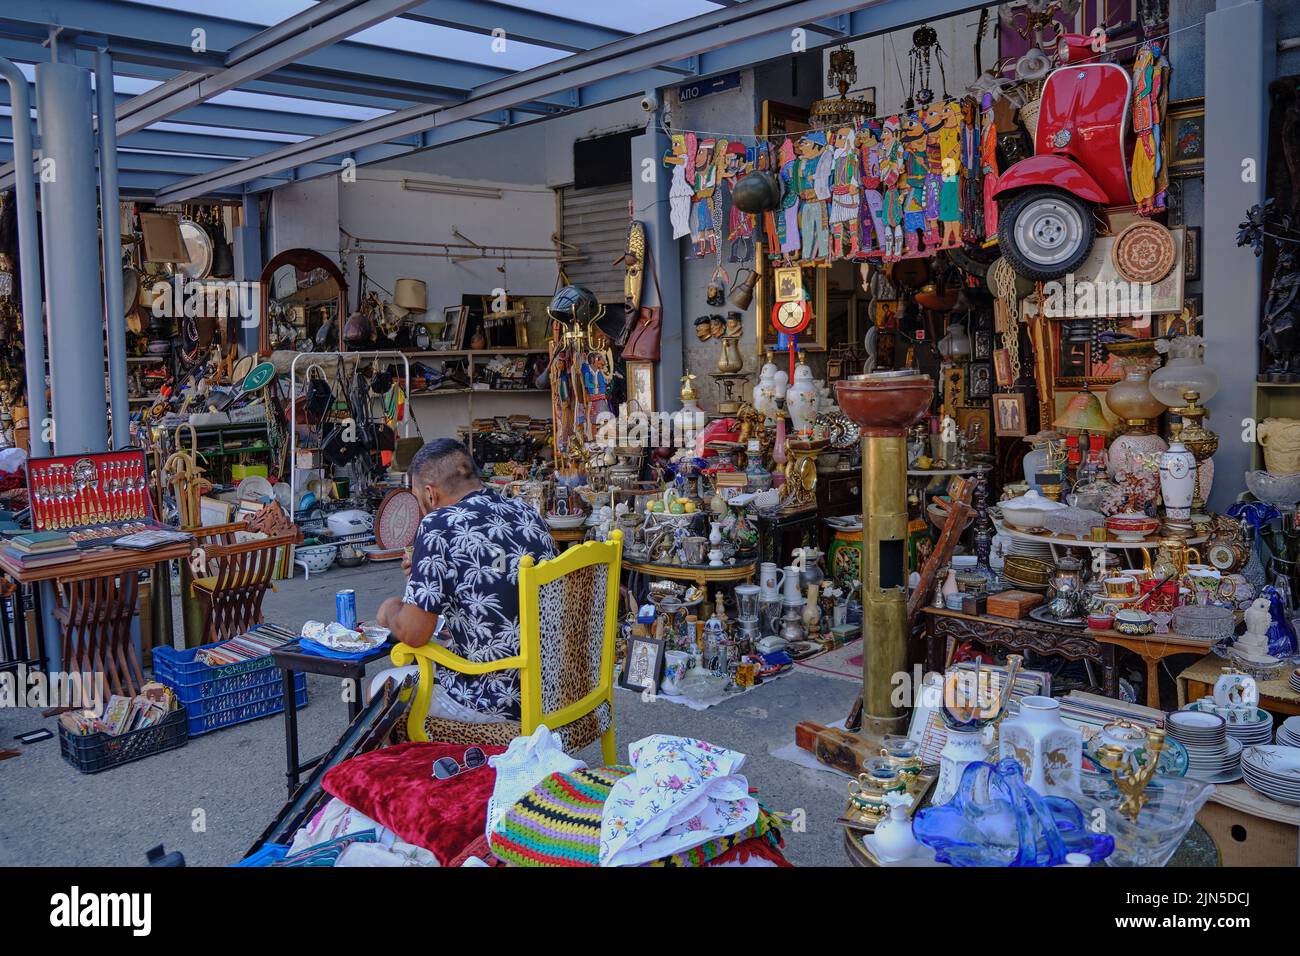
(1197, 681)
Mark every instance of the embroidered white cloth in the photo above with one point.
(683, 792)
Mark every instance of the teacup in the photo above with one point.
(902, 755)
(1121, 586)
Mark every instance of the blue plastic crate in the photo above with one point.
(181, 669)
(215, 720)
(242, 696)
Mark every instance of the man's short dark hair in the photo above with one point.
(443, 463)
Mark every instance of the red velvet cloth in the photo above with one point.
(395, 786)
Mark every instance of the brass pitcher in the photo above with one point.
(742, 293)
(1171, 560)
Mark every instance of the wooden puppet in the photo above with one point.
(787, 224)
(950, 151)
(989, 164)
(932, 122)
(915, 170)
(738, 162)
(846, 194)
(813, 183)
(891, 177)
(704, 231)
(871, 218)
(680, 159)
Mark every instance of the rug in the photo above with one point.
(844, 663)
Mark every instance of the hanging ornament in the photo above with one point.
(926, 51)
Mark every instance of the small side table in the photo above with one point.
(566, 538)
(1152, 648)
(292, 660)
(1197, 681)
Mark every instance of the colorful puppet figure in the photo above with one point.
(891, 177)
(595, 383)
(871, 218)
(682, 162)
(915, 171)
(738, 162)
(989, 164)
(704, 231)
(950, 154)
(787, 224)
(813, 183)
(932, 123)
(846, 194)
(1148, 176)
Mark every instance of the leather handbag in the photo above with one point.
(643, 341)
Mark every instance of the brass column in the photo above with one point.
(884, 604)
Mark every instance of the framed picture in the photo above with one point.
(640, 386)
(1185, 133)
(1186, 322)
(886, 315)
(1192, 254)
(974, 422)
(1009, 415)
(982, 345)
(789, 284)
(453, 326)
(1002, 368)
(979, 380)
(812, 338)
(644, 665)
(954, 388)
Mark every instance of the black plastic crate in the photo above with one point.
(95, 752)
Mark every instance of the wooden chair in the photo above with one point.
(230, 595)
(568, 619)
(94, 616)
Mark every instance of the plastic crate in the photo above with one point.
(217, 697)
(95, 752)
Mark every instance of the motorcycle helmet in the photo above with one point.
(573, 304)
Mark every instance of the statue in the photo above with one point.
(1281, 333)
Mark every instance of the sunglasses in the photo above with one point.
(444, 768)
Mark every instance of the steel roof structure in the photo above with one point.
(229, 97)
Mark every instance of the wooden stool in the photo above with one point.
(231, 597)
(95, 615)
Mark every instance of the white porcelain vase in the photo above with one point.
(1177, 480)
(1048, 750)
(962, 748)
(801, 399)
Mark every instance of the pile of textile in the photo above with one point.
(678, 802)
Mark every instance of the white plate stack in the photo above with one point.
(1259, 731)
(1288, 735)
(1212, 756)
(1295, 679)
(1274, 771)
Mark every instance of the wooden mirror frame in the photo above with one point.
(304, 260)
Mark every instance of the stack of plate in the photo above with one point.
(1274, 771)
(1030, 549)
(1288, 735)
(1260, 731)
(1295, 679)
(1212, 756)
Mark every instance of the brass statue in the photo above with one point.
(1132, 778)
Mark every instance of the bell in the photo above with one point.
(742, 293)
(223, 260)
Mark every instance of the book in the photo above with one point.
(41, 560)
(42, 541)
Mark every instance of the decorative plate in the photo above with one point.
(1144, 252)
(397, 520)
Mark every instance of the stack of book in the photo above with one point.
(252, 644)
(40, 548)
(121, 715)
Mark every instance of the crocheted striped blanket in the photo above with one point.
(557, 823)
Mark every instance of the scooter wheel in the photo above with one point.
(1046, 232)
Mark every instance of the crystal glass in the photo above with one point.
(1281, 491)
(747, 602)
(1171, 808)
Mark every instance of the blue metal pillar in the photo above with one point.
(29, 256)
(650, 184)
(111, 226)
(1239, 65)
(248, 268)
(71, 247)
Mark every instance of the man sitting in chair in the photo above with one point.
(463, 588)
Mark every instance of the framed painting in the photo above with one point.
(644, 665)
(1009, 416)
(1185, 134)
(640, 386)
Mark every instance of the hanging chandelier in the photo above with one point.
(842, 110)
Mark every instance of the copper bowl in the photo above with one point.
(885, 405)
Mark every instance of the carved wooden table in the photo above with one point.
(1021, 635)
(1153, 648)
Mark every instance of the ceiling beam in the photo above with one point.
(520, 25)
(724, 39)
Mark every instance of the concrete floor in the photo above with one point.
(212, 798)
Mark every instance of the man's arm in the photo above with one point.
(410, 624)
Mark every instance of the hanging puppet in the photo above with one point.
(950, 156)
(738, 163)
(846, 194)
(681, 159)
(891, 177)
(813, 183)
(1149, 178)
(787, 223)
(915, 171)
(972, 191)
(871, 217)
(989, 164)
(931, 122)
(704, 230)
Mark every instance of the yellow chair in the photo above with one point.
(568, 619)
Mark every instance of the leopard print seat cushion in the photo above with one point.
(584, 731)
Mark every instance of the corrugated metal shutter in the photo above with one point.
(596, 221)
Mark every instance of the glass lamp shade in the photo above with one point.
(955, 346)
(1083, 414)
(1130, 398)
(1183, 371)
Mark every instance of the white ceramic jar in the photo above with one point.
(1048, 751)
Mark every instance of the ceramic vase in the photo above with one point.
(1048, 750)
(963, 747)
(1178, 481)
(801, 399)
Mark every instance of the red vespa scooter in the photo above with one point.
(1082, 153)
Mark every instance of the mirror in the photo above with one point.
(304, 303)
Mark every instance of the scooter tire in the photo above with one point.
(1020, 262)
